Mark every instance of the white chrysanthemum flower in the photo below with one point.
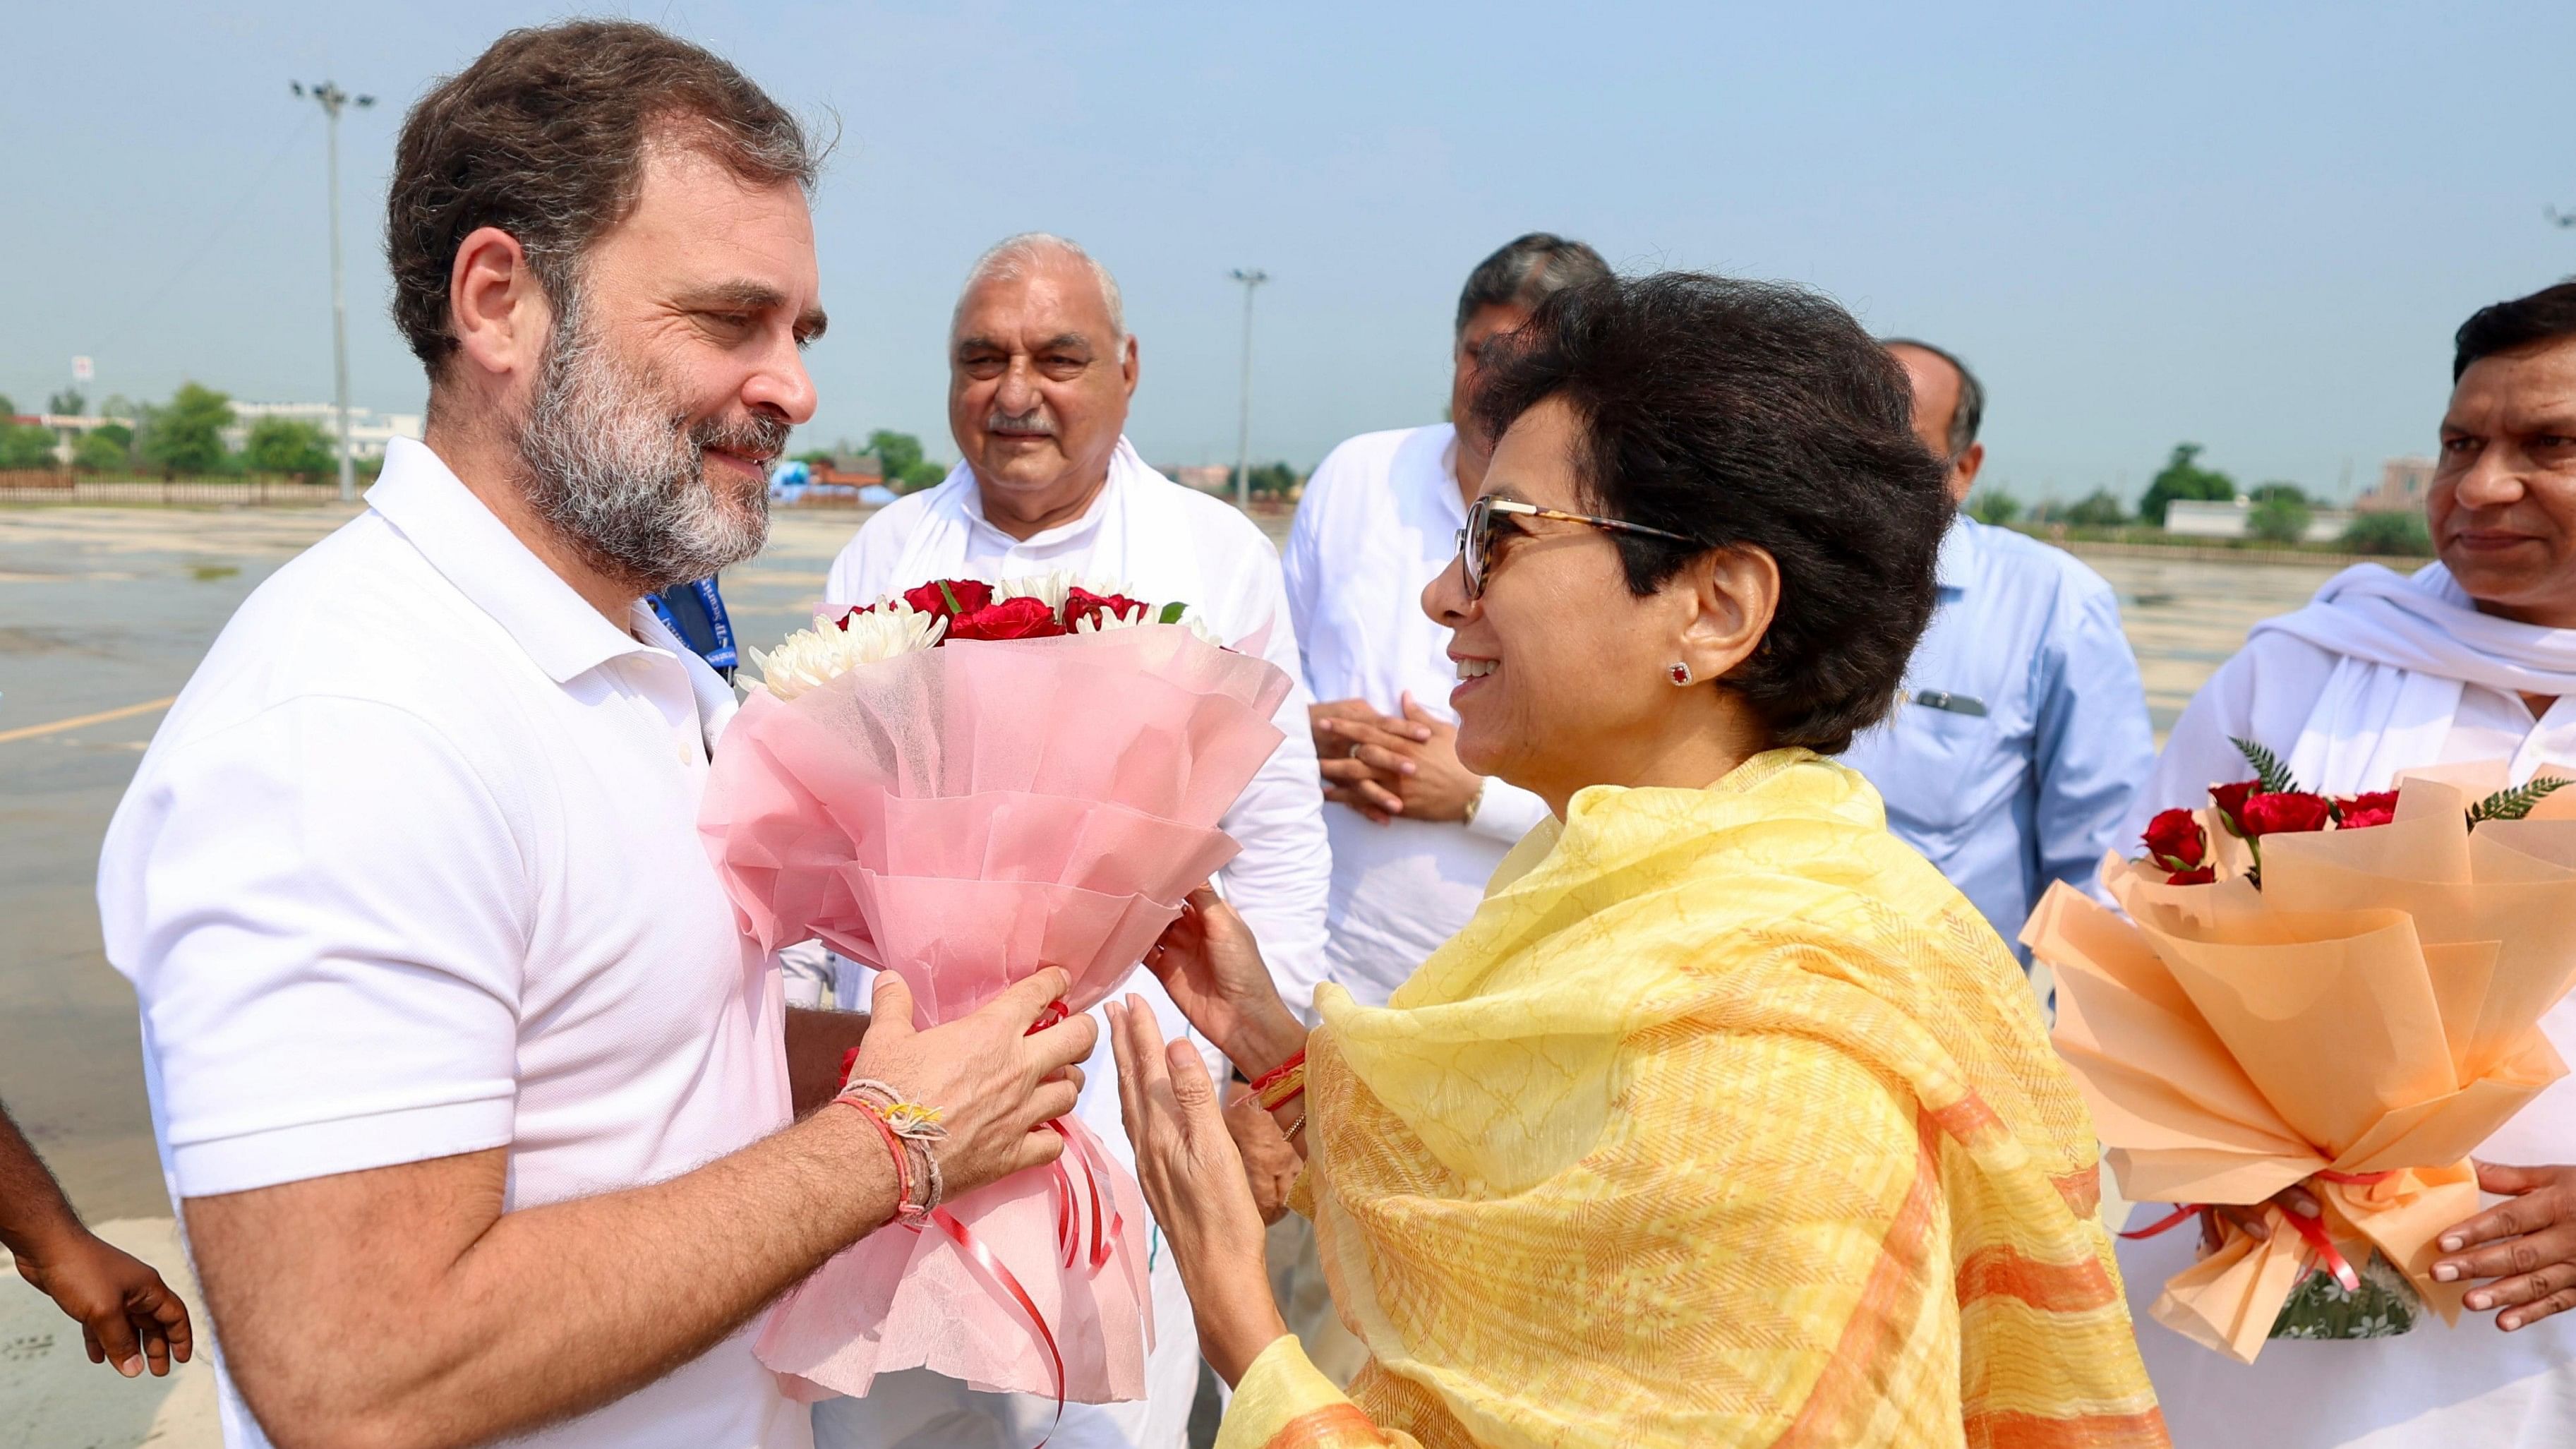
(830, 649)
(1051, 589)
(1146, 614)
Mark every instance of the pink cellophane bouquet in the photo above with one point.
(961, 785)
(2338, 993)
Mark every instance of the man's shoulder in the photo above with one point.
(361, 616)
(1211, 519)
(1370, 460)
(2037, 558)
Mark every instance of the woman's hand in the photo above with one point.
(995, 1083)
(1193, 1179)
(1270, 1161)
(2531, 1250)
(2248, 1217)
(1210, 964)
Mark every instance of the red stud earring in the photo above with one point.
(1681, 675)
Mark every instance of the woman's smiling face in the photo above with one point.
(1562, 670)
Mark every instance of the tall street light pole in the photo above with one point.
(332, 99)
(1243, 455)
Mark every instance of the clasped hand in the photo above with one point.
(1384, 766)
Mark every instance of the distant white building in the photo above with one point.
(2200, 519)
(369, 430)
(2403, 484)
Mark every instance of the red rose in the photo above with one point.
(1021, 618)
(2230, 800)
(1081, 604)
(948, 598)
(2288, 813)
(2203, 876)
(843, 622)
(2360, 812)
(2175, 841)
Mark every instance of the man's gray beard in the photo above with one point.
(614, 466)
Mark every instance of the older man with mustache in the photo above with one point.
(1041, 372)
(479, 1114)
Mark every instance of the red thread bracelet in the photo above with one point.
(904, 1207)
(1279, 1073)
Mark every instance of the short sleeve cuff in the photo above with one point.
(274, 1155)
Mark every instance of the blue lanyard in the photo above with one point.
(721, 658)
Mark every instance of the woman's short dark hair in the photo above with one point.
(1753, 414)
(543, 136)
(2544, 316)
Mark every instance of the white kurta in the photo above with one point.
(2382, 674)
(1379, 520)
(1166, 543)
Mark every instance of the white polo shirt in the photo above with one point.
(412, 869)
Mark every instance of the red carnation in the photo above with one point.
(2360, 812)
(1021, 618)
(2230, 800)
(948, 598)
(2175, 841)
(2203, 876)
(1081, 604)
(2286, 813)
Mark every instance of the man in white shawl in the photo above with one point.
(1041, 371)
(2471, 658)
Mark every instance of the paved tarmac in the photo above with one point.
(104, 612)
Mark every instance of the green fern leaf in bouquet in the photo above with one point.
(2515, 803)
(2270, 775)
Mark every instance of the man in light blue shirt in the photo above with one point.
(2022, 731)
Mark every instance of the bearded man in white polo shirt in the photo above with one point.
(477, 1109)
(1041, 372)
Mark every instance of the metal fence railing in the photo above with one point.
(44, 486)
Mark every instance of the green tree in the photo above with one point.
(2183, 478)
(1269, 480)
(25, 447)
(2097, 509)
(67, 403)
(287, 445)
(2401, 534)
(186, 434)
(906, 469)
(2282, 517)
(2266, 492)
(1993, 505)
(102, 450)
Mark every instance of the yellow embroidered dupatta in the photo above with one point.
(1726, 1121)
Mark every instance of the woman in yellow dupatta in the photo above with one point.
(1726, 1120)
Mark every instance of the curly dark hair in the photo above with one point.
(543, 136)
(1750, 414)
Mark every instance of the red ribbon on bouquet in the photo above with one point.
(2309, 1229)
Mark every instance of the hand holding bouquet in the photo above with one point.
(963, 784)
(2338, 993)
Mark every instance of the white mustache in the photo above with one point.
(1027, 425)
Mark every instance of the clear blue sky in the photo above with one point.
(2253, 226)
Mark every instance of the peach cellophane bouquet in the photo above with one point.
(962, 785)
(2350, 1009)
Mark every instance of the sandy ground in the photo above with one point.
(105, 608)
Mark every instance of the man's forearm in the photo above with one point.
(33, 1211)
(551, 1311)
